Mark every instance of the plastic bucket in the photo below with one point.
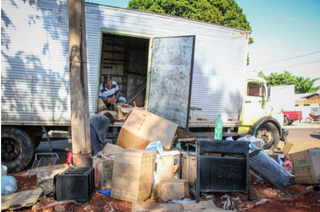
(4, 170)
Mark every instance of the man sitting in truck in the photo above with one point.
(109, 92)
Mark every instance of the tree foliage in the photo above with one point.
(223, 12)
(302, 85)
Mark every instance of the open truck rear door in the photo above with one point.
(171, 78)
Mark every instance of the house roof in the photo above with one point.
(306, 95)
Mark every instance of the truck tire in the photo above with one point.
(270, 134)
(286, 121)
(17, 148)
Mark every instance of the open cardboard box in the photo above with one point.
(306, 166)
(285, 150)
(142, 127)
(277, 155)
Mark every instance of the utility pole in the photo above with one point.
(80, 121)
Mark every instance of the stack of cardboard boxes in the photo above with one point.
(130, 170)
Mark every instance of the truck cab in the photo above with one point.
(258, 117)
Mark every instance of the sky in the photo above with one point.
(286, 35)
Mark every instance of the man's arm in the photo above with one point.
(117, 92)
(117, 97)
(100, 88)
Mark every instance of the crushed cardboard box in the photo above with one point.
(306, 166)
(142, 127)
(110, 149)
(171, 189)
(132, 177)
(103, 168)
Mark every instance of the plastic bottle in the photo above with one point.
(218, 128)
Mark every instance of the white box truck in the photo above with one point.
(183, 70)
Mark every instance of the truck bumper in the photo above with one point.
(285, 133)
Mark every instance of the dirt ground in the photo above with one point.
(264, 198)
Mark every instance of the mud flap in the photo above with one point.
(284, 135)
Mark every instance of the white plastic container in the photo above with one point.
(4, 170)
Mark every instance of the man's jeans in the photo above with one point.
(121, 99)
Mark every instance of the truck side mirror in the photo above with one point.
(269, 94)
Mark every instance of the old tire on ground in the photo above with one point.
(286, 121)
(270, 134)
(17, 148)
(308, 120)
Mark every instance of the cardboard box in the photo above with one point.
(142, 127)
(103, 167)
(110, 149)
(306, 166)
(132, 177)
(171, 189)
(165, 167)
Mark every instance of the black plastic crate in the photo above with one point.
(216, 166)
(75, 183)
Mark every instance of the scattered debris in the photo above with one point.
(227, 204)
(20, 199)
(263, 201)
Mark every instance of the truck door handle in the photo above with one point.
(248, 101)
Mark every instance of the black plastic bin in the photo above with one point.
(75, 183)
(221, 166)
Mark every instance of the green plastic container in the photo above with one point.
(218, 128)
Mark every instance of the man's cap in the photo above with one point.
(108, 77)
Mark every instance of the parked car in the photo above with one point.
(290, 116)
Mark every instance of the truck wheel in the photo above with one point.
(290, 122)
(285, 121)
(270, 134)
(17, 148)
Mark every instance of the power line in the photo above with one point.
(287, 59)
(316, 61)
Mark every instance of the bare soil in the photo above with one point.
(264, 198)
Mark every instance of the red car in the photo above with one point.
(290, 116)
